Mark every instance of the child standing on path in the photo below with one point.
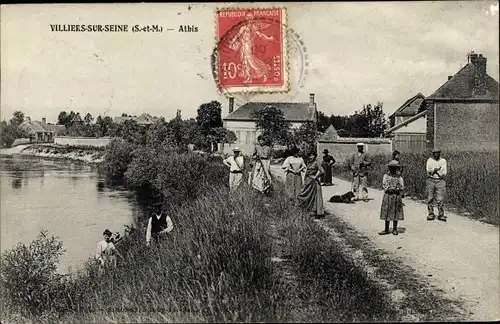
(392, 203)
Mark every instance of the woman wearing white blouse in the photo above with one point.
(293, 167)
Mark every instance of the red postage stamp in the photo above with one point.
(252, 50)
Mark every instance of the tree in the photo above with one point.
(17, 118)
(62, 119)
(371, 121)
(323, 122)
(209, 115)
(305, 137)
(88, 119)
(272, 124)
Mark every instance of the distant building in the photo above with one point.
(40, 131)
(462, 114)
(242, 122)
(143, 119)
(408, 126)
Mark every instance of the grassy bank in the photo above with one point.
(219, 264)
(472, 181)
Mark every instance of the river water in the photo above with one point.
(69, 200)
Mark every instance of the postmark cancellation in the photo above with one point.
(251, 50)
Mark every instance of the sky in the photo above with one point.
(358, 53)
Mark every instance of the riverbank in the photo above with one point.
(90, 155)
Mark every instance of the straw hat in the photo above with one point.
(436, 150)
(360, 144)
(394, 163)
(236, 149)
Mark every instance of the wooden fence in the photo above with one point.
(409, 142)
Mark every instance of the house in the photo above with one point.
(242, 122)
(342, 148)
(462, 114)
(409, 109)
(143, 119)
(40, 131)
(408, 126)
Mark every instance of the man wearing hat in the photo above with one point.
(358, 164)
(436, 184)
(159, 224)
(236, 166)
(328, 161)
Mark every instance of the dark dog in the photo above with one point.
(346, 198)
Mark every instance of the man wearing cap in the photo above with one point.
(436, 185)
(358, 165)
(159, 225)
(236, 166)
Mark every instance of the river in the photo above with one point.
(69, 200)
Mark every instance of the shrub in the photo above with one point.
(118, 157)
(30, 283)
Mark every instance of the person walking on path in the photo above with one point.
(358, 164)
(310, 196)
(159, 225)
(236, 166)
(261, 175)
(327, 163)
(392, 202)
(437, 170)
(106, 252)
(293, 166)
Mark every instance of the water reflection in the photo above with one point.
(72, 201)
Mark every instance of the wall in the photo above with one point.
(409, 142)
(416, 126)
(82, 141)
(343, 147)
(466, 126)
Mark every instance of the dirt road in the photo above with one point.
(461, 256)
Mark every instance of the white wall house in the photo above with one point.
(409, 126)
(242, 123)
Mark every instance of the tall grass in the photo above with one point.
(216, 267)
(471, 184)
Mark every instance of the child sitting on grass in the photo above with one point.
(392, 203)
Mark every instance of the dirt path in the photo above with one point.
(460, 257)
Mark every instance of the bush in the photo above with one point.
(30, 283)
(472, 181)
(118, 157)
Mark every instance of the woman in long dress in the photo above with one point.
(311, 196)
(392, 202)
(327, 163)
(293, 166)
(261, 175)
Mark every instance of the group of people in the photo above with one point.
(303, 182)
(393, 185)
(304, 179)
(159, 226)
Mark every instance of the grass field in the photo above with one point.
(217, 266)
(472, 181)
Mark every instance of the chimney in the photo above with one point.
(44, 120)
(178, 115)
(311, 100)
(231, 104)
(450, 76)
(479, 63)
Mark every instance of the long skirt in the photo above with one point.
(311, 197)
(260, 178)
(293, 184)
(392, 208)
(327, 176)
